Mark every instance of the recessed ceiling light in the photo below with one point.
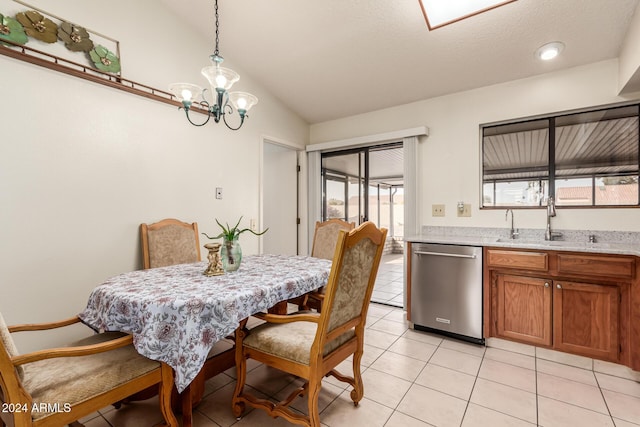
(439, 13)
(549, 50)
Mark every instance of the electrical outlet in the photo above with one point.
(218, 193)
(466, 210)
(252, 224)
(437, 210)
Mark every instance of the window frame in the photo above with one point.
(551, 178)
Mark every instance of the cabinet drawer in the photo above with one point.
(596, 265)
(518, 259)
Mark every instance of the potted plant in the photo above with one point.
(231, 252)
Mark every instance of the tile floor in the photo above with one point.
(389, 286)
(417, 379)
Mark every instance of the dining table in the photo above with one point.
(176, 313)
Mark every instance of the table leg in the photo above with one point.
(279, 308)
(192, 395)
(186, 401)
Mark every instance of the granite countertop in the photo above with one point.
(576, 241)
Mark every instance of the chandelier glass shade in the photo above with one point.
(221, 80)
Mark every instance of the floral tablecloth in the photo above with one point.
(176, 313)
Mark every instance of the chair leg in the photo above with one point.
(315, 385)
(304, 303)
(358, 386)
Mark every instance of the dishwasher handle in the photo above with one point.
(445, 254)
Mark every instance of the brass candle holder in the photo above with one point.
(215, 261)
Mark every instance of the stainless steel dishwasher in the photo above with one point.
(446, 290)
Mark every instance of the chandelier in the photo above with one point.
(221, 79)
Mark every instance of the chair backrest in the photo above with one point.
(169, 242)
(350, 285)
(325, 237)
(7, 350)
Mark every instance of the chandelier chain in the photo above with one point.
(216, 52)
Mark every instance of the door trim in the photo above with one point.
(301, 207)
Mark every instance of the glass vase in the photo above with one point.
(231, 255)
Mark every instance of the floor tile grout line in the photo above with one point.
(503, 413)
(566, 379)
(538, 395)
(606, 404)
(635, 396)
(466, 408)
(506, 385)
(475, 380)
(407, 415)
(207, 417)
(413, 383)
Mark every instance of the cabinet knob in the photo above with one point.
(546, 285)
(558, 286)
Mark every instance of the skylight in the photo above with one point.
(439, 13)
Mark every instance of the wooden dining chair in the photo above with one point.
(325, 238)
(310, 345)
(58, 386)
(169, 242)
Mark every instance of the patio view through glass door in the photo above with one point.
(366, 184)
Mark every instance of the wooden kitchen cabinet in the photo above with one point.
(523, 308)
(586, 319)
(572, 302)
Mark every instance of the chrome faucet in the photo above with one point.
(513, 233)
(551, 211)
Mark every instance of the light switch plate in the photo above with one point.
(437, 210)
(466, 210)
(218, 193)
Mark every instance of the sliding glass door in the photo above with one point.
(343, 180)
(364, 184)
(368, 184)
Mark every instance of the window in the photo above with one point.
(581, 159)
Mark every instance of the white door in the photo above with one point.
(280, 199)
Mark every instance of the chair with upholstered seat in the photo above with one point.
(169, 242)
(56, 387)
(325, 238)
(310, 345)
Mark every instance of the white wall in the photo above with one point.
(449, 159)
(82, 165)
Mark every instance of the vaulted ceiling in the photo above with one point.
(334, 58)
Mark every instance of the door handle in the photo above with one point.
(558, 286)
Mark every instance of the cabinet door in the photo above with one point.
(524, 309)
(586, 319)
